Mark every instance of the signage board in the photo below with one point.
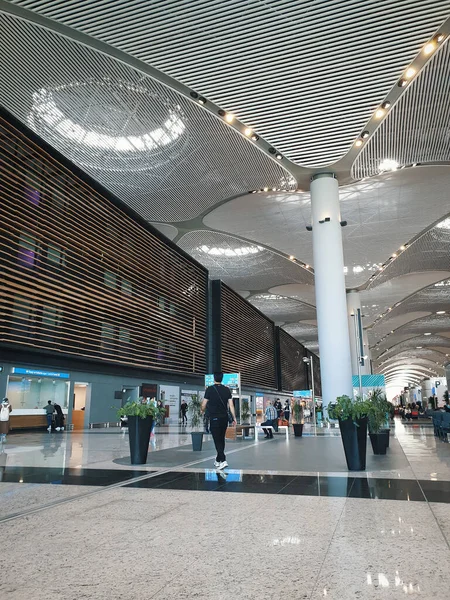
(38, 373)
(302, 393)
(232, 380)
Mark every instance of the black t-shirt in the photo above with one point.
(217, 396)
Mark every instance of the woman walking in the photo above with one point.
(5, 409)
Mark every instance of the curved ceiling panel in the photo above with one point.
(281, 308)
(168, 230)
(271, 63)
(302, 292)
(159, 152)
(429, 252)
(416, 128)
(411, 356)
(303, 332)
(241, 264)
(418, 342)
(382, 214)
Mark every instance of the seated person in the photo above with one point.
(271, 419)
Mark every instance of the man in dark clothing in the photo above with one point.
(183, 408)
(278, 407)
(218, 401)
(59, 419)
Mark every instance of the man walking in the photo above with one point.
(184, 409)
(271, 418)
(218, 401)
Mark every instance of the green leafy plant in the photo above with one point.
(378, 411)
(195, 411)
(138, 409)
(245, 412)
(345, 408)
(297, 413)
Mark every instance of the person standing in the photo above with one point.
(278, 407)
(59, 417)
(49, 410)
(271, 417)
(218, 401)
(184, 409)
(5, 409)
(287, 411)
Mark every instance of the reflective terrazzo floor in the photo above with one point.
(72, 504)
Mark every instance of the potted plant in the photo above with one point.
(378, 414)
(297, 419)
(195, 411)
(140, 418)
(352, 416)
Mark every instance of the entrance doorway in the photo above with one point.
(81, 396)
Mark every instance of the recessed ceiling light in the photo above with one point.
(379, 113)
(440, 312)
(427, 334)
(266, 189)
(202, 100)
(255, 137)
(419, 347)
(386, 105)
(410, 72)
(440, 37)
(279, 157)
(429, 48)
(248, 132)
(402, 83)
(394, 255)
(229, 117)
(358, 142)
(306, 266)
(292, 258)
(402, 248)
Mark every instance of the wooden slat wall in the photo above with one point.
(79, 276)
(248, 341)
(293, 369)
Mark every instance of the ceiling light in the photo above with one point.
(427, 333)
(202, 100)
(365, 134)
(229, 117)
(266, 189)
(388, 165)
(429, 48)
(394, 255)
(440, 312)
(279, 157)
(255, 137)
(402, 83)
(272, 151)
(440, 37)
(419, 347)
(402, 248)
(386, 105)
(358, 142)
(292, 258)
(248, 132)
(274, 189)
(306, 266)
(410, 72)
(379, 113)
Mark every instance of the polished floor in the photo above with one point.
(286, 519)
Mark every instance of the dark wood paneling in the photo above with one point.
(80, 277)
(293, 369)
(248, 341)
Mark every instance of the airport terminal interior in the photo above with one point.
(253, 189)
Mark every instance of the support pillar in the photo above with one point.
(332, 323)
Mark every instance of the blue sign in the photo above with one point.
(232, 380)
(302, 394)
(369, 381)
(37, 373)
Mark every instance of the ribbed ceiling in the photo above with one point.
(160, 153)
(281, 308)
(416, 130)
(305, 75)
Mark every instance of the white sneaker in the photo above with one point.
(222, 465)
(58, 428)
(216, 463)
(49, 429)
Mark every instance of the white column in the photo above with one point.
(332, 323)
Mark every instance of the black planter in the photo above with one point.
(298, 429)
(379, 443)
(197, 440)
(386, 432)
(354, 439)
(139, 437)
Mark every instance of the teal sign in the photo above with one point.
(371, 381)
(38, 373)
(302, 393)
(231, 380)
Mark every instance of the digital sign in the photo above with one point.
(38, 373)
(302, 393)
(232, 380)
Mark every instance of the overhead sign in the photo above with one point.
(302, 394)
(369, 381)
(232, 380)
(37, 373)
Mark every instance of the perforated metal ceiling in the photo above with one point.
(416, 130)
(302, 332)
(272, 63)
(241, 264)
(162, 154)
(282, 309)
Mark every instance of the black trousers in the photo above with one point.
(270, 422)
(218, 427)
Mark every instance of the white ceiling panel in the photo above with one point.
(288, 69)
